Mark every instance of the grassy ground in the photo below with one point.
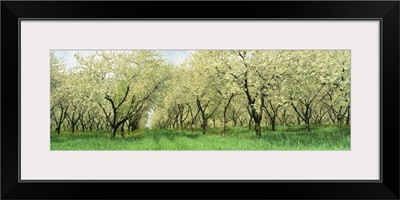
(285, 138)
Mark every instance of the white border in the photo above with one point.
(39, 163)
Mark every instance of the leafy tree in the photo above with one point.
(58, 103)
(122, 83)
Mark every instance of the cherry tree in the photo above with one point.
(123, 83)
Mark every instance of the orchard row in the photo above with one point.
(111, 90)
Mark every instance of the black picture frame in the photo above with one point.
(386, 11)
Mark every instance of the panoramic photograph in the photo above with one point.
(205, 100)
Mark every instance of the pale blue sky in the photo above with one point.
(174, 56)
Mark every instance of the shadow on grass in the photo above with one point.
(79, 135)
(171, 135)
(135, 137)
(192, 135)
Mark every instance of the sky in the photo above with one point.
(174, 56)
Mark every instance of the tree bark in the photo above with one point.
(250, 122)
(203, 128)
(204, 116)
(73, 127)
(273, 123)
(257, 125)
(122, 130)
(224, 115)
(304, 115)
(113, 132)
(61, 119)
(272, 113)
(348, 115)
(74, 120)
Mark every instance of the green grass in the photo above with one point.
(238, 138)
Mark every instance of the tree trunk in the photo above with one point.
(74, 122)
(272, 119)
(181, 123)
(129, 128)
(135, 126)
(223, 124)
(122, 131)
(203, 116)
(241, 122)
(114, 132)
(176, 124)
(115, 128)
(308, 124)
(73, 127)
(347, 115)
(203, 126)
(273, 123)
(250, 122)
(257, 127)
